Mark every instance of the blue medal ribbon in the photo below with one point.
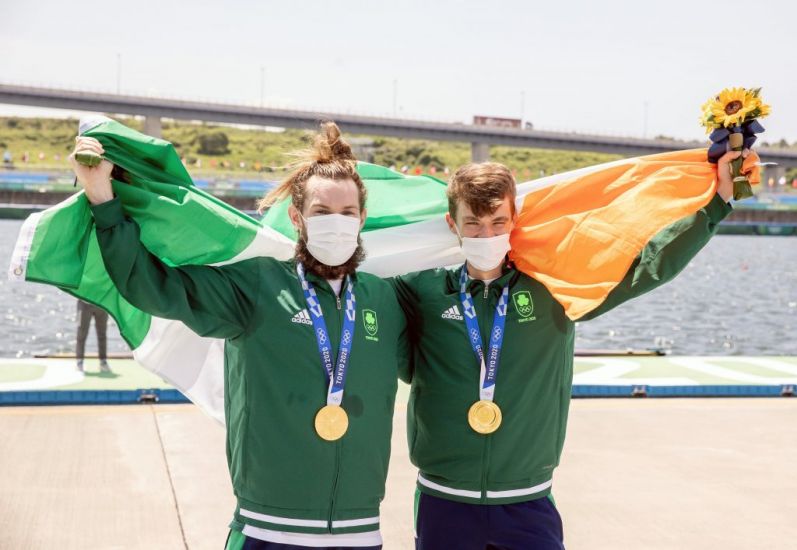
(488, 365)
(336, 375)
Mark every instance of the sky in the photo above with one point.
(629, 68)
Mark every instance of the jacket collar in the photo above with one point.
(509, 274)
(318, 282)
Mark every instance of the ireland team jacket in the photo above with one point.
(285, 477)
(533, 385)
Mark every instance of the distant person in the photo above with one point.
(85, 312)
(7, 157)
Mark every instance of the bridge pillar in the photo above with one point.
(152, 126)
(773, 173)
(479, 152)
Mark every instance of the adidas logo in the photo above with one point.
(452, 313)
(303, 317)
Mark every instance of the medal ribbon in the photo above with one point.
(488, 365)
(337, 374)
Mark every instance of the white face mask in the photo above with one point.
(486, 253)
(332, 238)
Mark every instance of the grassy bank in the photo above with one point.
(215, 150)
(43, 144)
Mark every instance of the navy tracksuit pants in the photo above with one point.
(447, 525)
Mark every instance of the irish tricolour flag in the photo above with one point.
(578, 233)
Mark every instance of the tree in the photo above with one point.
(213, 143)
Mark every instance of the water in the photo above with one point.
(737, 297)
(39, 318)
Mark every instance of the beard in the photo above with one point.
(324, 271)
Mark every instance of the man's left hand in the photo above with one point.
(725, 184)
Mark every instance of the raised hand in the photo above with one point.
(725, 184)
(95, 180)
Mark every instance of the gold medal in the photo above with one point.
(331, 422)
(484, 417)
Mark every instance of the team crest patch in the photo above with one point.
(524, 305)
(371, 324)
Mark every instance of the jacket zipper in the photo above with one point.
(337, 443)
(484, 317)
(485, 467)
(334, 486)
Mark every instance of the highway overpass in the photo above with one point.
(480, 137)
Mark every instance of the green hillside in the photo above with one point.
(43, 144)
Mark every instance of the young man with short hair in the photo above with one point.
(494, 365)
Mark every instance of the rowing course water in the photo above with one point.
(737, 297)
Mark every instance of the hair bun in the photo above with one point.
(329, 157)
(329, 146)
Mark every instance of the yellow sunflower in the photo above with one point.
(706, 118)
(763, 109)
(731, 106)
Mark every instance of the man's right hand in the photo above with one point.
(96, 180)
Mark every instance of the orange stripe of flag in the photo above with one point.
(580, 237)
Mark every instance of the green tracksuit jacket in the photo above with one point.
(284, 475)
(534, 380)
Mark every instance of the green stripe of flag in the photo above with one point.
(393, 200)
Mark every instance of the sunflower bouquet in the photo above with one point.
(731, 120)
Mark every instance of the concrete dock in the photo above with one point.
(648, 474)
